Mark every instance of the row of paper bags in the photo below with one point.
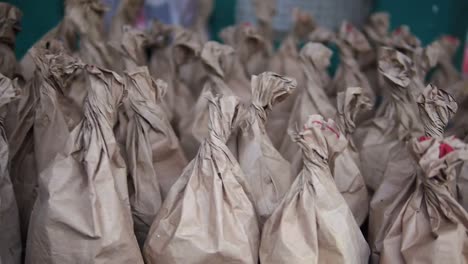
(98, 137)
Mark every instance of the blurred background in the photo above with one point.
(427, 19)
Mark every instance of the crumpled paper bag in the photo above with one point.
(10, 20)
(154, 156)
(10, 240)
(431, 226)
(436, 108)
(82, 212)
(315, 59)
(208, 216)
(313, 223)
(267, 172)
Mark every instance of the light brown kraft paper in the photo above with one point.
(82, 213)
(286, 61)
(267, 173)
(208, 216)
(351, 43)
(10, 238)
(400, 114)
(346, 167)
(313, 223)
(430, 226)
(315, 59)
(218, 61)
(436, 107)
(154, 157)
(10, 20)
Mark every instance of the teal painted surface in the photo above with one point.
(39, 16)
(427, 19)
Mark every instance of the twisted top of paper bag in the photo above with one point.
(106, 91)
(395, 67)
(87, 16)
(152, 91)
(436, 108)
(322, 35)
(402, 38)
(10, 23)
(265, 10)
(377, 28)
(353, 38)
(349, 104)
(316, 55)
(218, 58)
(132, 46)
(224, 113)
(159, 34)
(426, 58)
(8, 92)
(268, 89)
(303, 22)
(449, 45)
(438, 157)
(54, 63)
(320, 140)
(128, 10)
(228, 35)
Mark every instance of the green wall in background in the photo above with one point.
(428, 19)
(39, 16)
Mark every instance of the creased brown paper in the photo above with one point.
(208, 216)
(313, 223)
(10, 19)
(10, 238)
(346, 167)
(267, 173)
(315, 59)
(82, 212)
(436, 107)
(154, 157)
(431, 226)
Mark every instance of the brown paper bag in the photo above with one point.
(24, 174)
(208, 216)
(431, 226)
(10, 238)
(400, 115)
(436, 107)
(82, 213)
(252, 49)
(378, 34)
(313, 224)
(265, 11)
(218, 61)
(346, 167)
(286, 61)
(154, 157)
(126, 15)
(446, 73)
(404, 40)
(350, 42)
(266, 171)
(87, 18)
(131, 51)
(315, 59)
(10, 20)
(186, 50)
(203, 13)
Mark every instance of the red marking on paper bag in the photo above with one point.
(423, 138)
(444, 149)
(328, 127)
